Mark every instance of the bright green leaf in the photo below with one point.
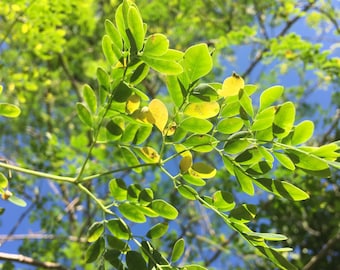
(135, 24)
(196, 125)
(164, 209)
(118, 228)
(187, 192)
(113, 33)
(117, 243)
(108, 50)
(223, 200)
(131, 159)
(269, 96)
(156, 45)
(285, 161)
(196, 181)
(194, 68)
(167, 67)
(84, 114)
(131, 212)
(95, 231)
(243, 213)
(3, 181)
(90, 98)
(178, 250)
(201, 143)
(282, 189)
(157, 231)
(174, 90)
(268, 236)
(264, 119)
(245, 181)
(202, 170)
(17, 201)
(229, 125)
(284, 119)
(118, 189)
(9, 110)
(303, 132)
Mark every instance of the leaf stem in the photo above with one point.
(37, 173)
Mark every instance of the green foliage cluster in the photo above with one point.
(197, 133)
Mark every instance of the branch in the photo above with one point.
(27, 260)
(40, 236)
(37, 173)
(322, 253)
(288, 25)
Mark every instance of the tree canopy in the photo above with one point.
(136, 135)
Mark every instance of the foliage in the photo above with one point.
(157, 157)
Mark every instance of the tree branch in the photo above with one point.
(40, 236)
(323, 252)
(288, 25)
(28, 260)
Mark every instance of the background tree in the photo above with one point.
(49, 50)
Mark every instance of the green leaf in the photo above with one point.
(223, 200)
(264, 119)
(157, 231)
(178, 250)
(303, 132)
(118, 189)
(90, 98)
(9, 110)
(108, 50)
(196, 181)
(243, 213)
(269, 96)
(230, 109)
(139, 74)
(121, 22)
(142, 134)
(3, 181)
(133, 193)
(276, 258)
(145, 196)
(119, 229)
(84, 114)
(285, 161)
(95, 231)
(229, 125)
(236, 146)
(156, 45)
(203, 110)
(174, 90)
(309, 163)
(135, 261)
(94, 251)
(197, 61)
(132, 212)
(196, 125)
(117, 243)
(131, 159)
(284, 119)
(167, 67)
(203, 92)
(246, 103)
(103, 79)
(245, 181)
(17, 201)
(282, 189)
(201, 143)
(187, 192)
(135, 24)
(164, 209)
(113, 33)
(268, 236)
(122, 92)
(194, 267)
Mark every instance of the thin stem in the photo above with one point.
(37, 173)
(100, 204)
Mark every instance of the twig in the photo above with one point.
(288, 25)
(322, 253)
(28, 260)
(39, 236)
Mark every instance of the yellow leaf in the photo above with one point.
(132, 104)
(202, 110)
(159, 113)
(171, 129)
(144, 115)
(202, 170)
(231, 86)
(150, 153)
